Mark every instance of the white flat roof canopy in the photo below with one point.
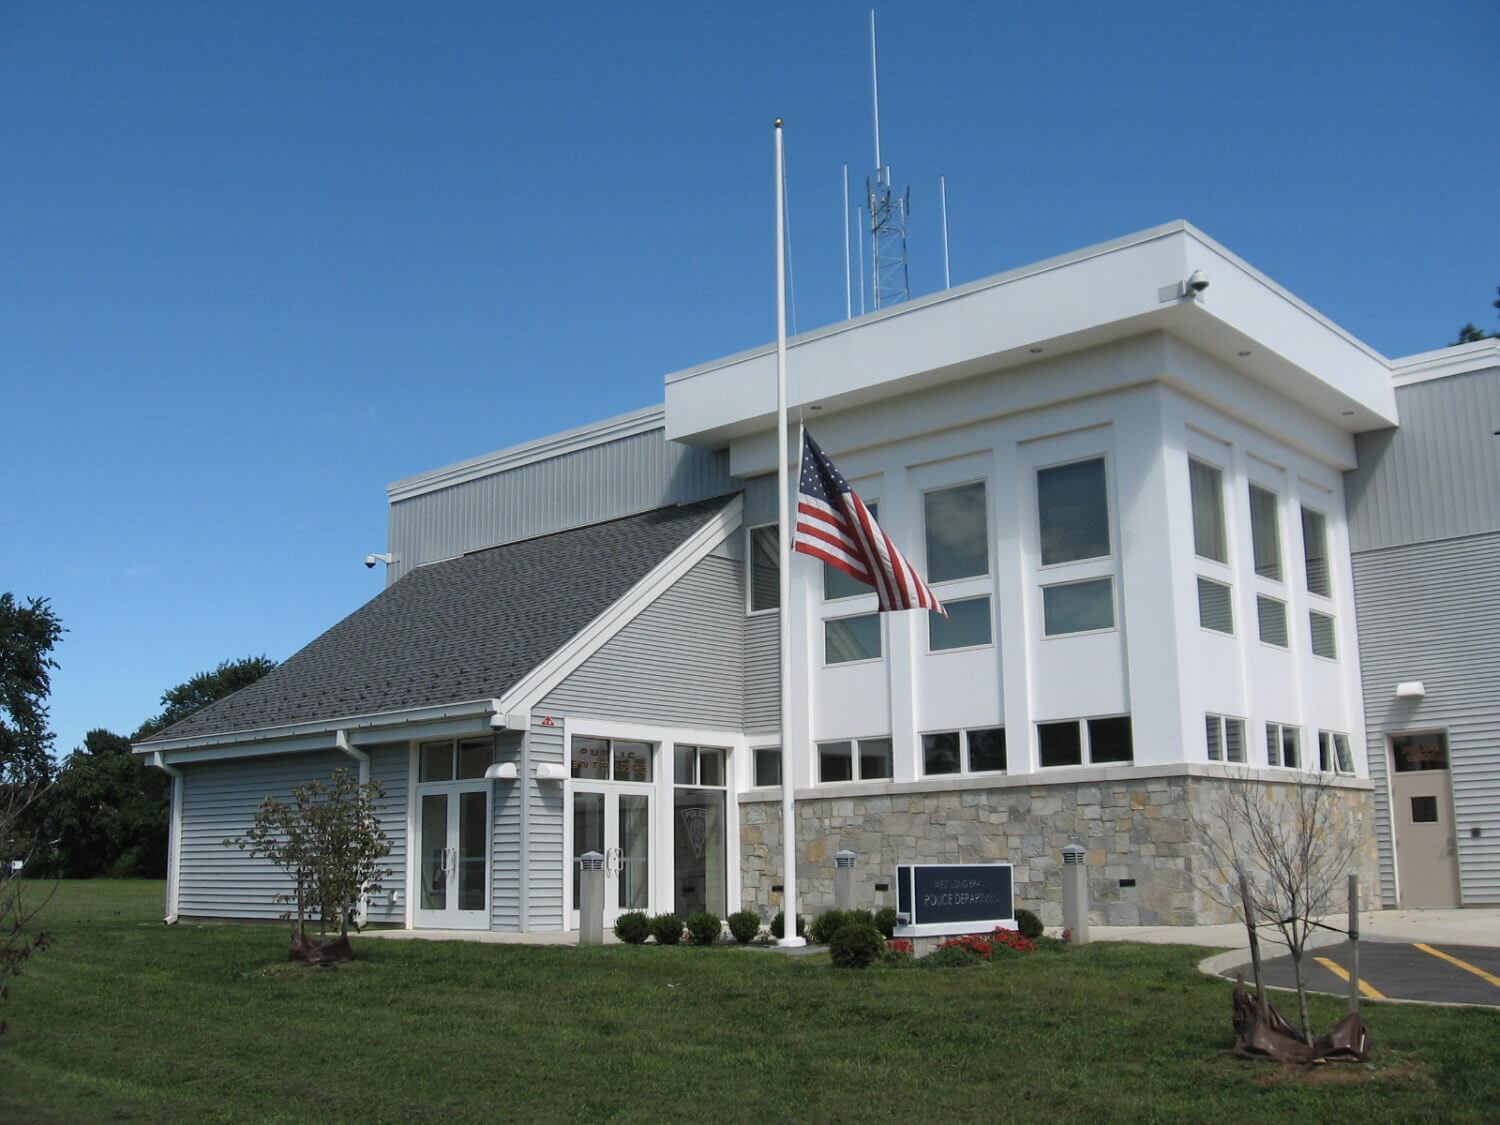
(1093, 296)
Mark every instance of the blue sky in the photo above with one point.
(256, 261)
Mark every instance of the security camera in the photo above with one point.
(387, 558)
(370, 561)
(1197, 281)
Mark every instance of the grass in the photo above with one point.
(124, 1019)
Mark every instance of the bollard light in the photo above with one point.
(591, 861)
(844, 858)
(1073, 853)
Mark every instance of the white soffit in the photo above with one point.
(1080, 300)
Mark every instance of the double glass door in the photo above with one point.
(453, 878)
(616, 822)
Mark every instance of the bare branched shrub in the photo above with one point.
(20, 900)
(1294, 847)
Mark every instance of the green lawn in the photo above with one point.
(124, 1019)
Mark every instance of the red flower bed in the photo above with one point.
(984, 944)
(899, 945)
(973, 942)
(1012, 939)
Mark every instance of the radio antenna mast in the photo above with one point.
(889, 210)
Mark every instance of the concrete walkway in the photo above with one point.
(1479, 927)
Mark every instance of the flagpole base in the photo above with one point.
(791, 942)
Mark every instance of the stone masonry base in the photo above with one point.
(1141, 830)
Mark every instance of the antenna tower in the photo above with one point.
(888, 210)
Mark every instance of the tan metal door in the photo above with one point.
(1422, 809)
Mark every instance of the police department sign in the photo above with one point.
(954, 898)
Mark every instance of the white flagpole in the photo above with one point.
(784, 527)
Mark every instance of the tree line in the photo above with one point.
(101, 811)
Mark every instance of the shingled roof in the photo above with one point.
(464, 629)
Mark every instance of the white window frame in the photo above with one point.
(1085, 744)
(1327, 745)
(1280, 729)
(1222, 724)
(1286, 619)
(1275, 493)
(1114, 597)
(1333, 626)
(1109, 511)
(842, 600)
(1229, 593)
(1223, 511)
(965, 765)
(1327, 549)
(751, 752)
(989, 598)
(854, 765)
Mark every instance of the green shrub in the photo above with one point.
(863, 917)
(824, 926)
(633, 928)
(778, 925)
(666, 929)
(1029, 924)
(949, 957)
(704, 928)
(897, 959)
(885, 921)
(744, 925)
(855, 945)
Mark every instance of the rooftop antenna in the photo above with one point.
(943, 192)
(848, 285)
(889, 283)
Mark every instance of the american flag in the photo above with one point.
(834, 525)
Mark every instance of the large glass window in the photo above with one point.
(699, 855)
(1215, 606)
(875, 758)
(957, 539)
(837, 584)
(603, 759)
(1073, 512)
(940, 753)
(1207, 486)
(1315, 552)
(1265, 533)
(464, 760)
(697, 765)
(851, 638)
(1060, 744)
(1110, 740)
(768, 765)
(966, 626)
(765, 568)
(1078, 607)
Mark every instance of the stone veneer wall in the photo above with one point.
(1140, 829)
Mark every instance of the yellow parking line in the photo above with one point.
(1370, 992)
(1452, 960)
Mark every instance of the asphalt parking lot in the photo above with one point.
(1395, 970)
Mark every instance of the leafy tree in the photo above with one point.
(27, 634)
(206, 687)
(1471, 333)
(108, 812)
(329, 840)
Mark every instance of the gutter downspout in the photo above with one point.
(341, 740)
(174, 837)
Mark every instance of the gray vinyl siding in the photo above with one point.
(505, 843)
(679, 663)
(760, 500)
(600, 482)
(1431, 612)
(390, 765)
(762, 674)
(1437, 476)
(219, 800)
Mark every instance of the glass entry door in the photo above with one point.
(617, 824)
(453, 873)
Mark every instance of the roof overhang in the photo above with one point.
(1105, 293)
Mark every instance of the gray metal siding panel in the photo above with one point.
(1437, 476)
(505, 859)
(219, 800)
(1431, 612)
(762, 674)
(601, 482)
(679, 663)
(760, 500)
(390, 765)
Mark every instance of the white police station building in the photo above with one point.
(1187, 537)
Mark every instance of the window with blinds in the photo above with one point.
(1272, 617)
(1207, 486)
(1315, 552)
(1215, 606)
(1265, 533)
(1323, 643)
